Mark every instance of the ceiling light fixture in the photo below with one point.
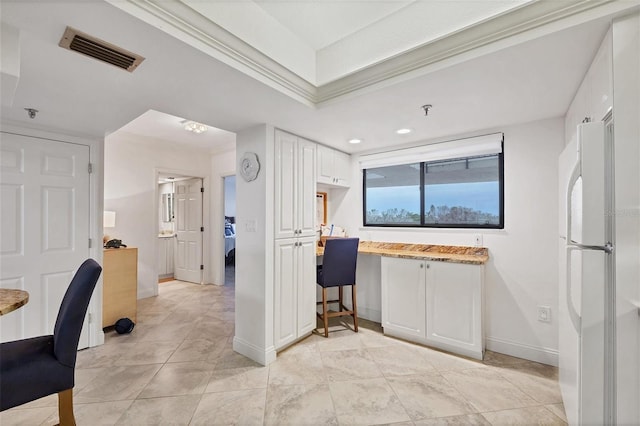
(403, 131)
(194, 126)
(354, 141)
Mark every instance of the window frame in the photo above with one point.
(499, 225)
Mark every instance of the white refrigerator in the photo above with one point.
(586, 297)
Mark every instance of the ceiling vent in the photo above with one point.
(78, 41)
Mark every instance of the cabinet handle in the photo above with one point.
(421, 265)
(428, 266)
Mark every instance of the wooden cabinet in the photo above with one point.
(334, 167)
(295, 289)
(165, 256)
(295, 186)
(120, 285)
(434, 303)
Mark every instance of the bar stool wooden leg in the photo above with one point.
(340, 299)
(325, 317)
(65, 408)
(355, 310)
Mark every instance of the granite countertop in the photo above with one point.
(455, 254)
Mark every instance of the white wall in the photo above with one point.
(254, 249)
(131, 171)
(522, 271)
(626, 112)
(222, 165)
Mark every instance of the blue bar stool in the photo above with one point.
(338, 269)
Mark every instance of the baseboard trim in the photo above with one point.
(532, 353)
(259, 355)
(369, 314)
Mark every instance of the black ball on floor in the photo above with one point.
(124, 326)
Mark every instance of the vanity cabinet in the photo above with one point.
(333, 167)
(295, 186)
(165, 256)
(434, 303)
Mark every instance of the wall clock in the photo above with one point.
(249, 166)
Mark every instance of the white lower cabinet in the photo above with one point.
(434, 303)
(403, 297)
(294, 289)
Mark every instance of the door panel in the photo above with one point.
(188, 219)
(306, 204)
(306, 262)
(45, 228)
(454, 307)
(403, 296)
(285, 185)
(285, 294)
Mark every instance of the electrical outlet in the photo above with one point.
(477, 240)
(544, 313)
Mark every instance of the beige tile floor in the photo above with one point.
(178, 367)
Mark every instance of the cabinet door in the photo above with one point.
(306, 263)
(285, 292)
(325, 165)
(162, 256)
(170, 246)
(342, 168)
(403, 297)
(306, 181)
(454, 307)
(285, 185)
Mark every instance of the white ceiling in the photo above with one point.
(74, 94)
(323, 22)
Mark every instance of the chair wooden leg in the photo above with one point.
(65, 408)
(325, 318)
(355, 310)
(340, 299)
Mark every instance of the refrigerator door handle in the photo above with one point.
(607, 248)
(575, 175)
(573, 314)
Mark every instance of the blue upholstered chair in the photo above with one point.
(338, 269)
(44, 365)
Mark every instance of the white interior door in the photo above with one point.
(44, 194)
(188, 219)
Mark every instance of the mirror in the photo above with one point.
(167, 207)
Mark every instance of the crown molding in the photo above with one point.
(515, 26)
(189, 26)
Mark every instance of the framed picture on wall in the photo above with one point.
(321, 208)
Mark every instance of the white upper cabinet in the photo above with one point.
(334, 167)
(295, 183)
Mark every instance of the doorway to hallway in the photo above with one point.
(229, 230)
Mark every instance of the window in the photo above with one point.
(452, 193)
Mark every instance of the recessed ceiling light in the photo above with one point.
(354, 141)
(403, 131)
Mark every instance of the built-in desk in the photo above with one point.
(428, 294)
(454, 254)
